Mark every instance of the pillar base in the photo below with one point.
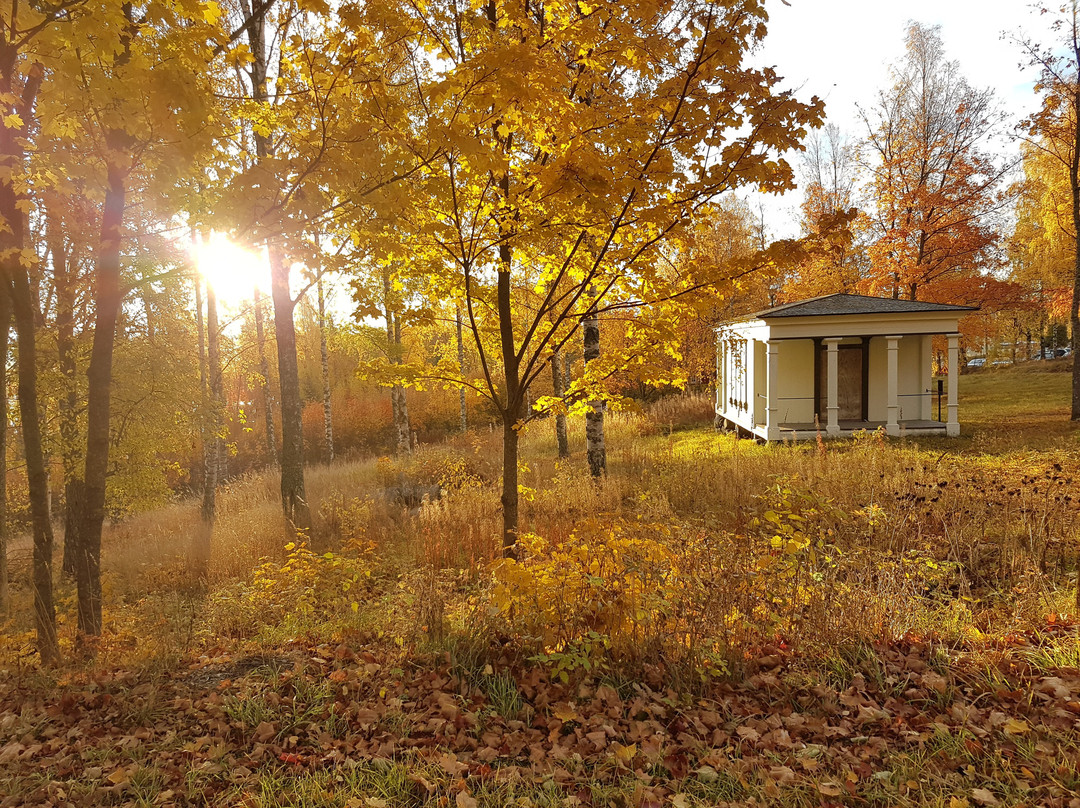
(832, 425)
(952, 430)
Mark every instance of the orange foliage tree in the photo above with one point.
(936, 192)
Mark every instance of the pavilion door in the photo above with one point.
(850, 365)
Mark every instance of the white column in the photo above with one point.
(772, 391)
(832, 395)
(721, 383)
(751, 383)
(892, 425)
(952, 425)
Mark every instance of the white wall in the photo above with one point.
(913, 378)
(758, 401)
(735, 378)
(796, 381)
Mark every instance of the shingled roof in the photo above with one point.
(831, 305)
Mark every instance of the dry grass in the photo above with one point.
(958, 538)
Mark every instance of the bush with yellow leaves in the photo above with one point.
(305, 585)
(610, 590)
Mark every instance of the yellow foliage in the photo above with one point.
(306, 584)
(610, 584)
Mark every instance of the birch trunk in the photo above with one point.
(398, 404)
(404, 429)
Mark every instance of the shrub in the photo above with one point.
(612, 590)
(306, 585)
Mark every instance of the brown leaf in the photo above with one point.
(265, 731)
(119, 777)
(451, 765)
(782, 774)
(748, 734)
(984, 797)
(565, 712)
(1016, 726)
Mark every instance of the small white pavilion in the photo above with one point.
(834, 365)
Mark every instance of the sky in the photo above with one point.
(840, 50)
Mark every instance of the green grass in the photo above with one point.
(1017, 408)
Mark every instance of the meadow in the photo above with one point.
(870, 621)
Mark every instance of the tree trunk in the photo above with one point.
(107, 301)
(594, 418)
(264, 372)
(404, 428)
(1074, 308)
(511, 411)
(16, 279)
(5, 328)
(293, 496)
(509, 497)
(256, 32)
(68, 401)
(560, 417)
(212, 427)
(398, 404)
(328, 421)
(461, 371)
(37, 476)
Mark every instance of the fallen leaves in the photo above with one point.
(984, 797)
(879, 739)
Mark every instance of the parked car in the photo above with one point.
(976, 363)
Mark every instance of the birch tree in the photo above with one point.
(1055, 131)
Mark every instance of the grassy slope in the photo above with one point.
(372, 710)
(1018, 408)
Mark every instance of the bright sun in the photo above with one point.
(233, 270)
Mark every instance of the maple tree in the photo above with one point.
(936, 190)
(324, 126)
(579, 139)
(21, 78)
(139, 114)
